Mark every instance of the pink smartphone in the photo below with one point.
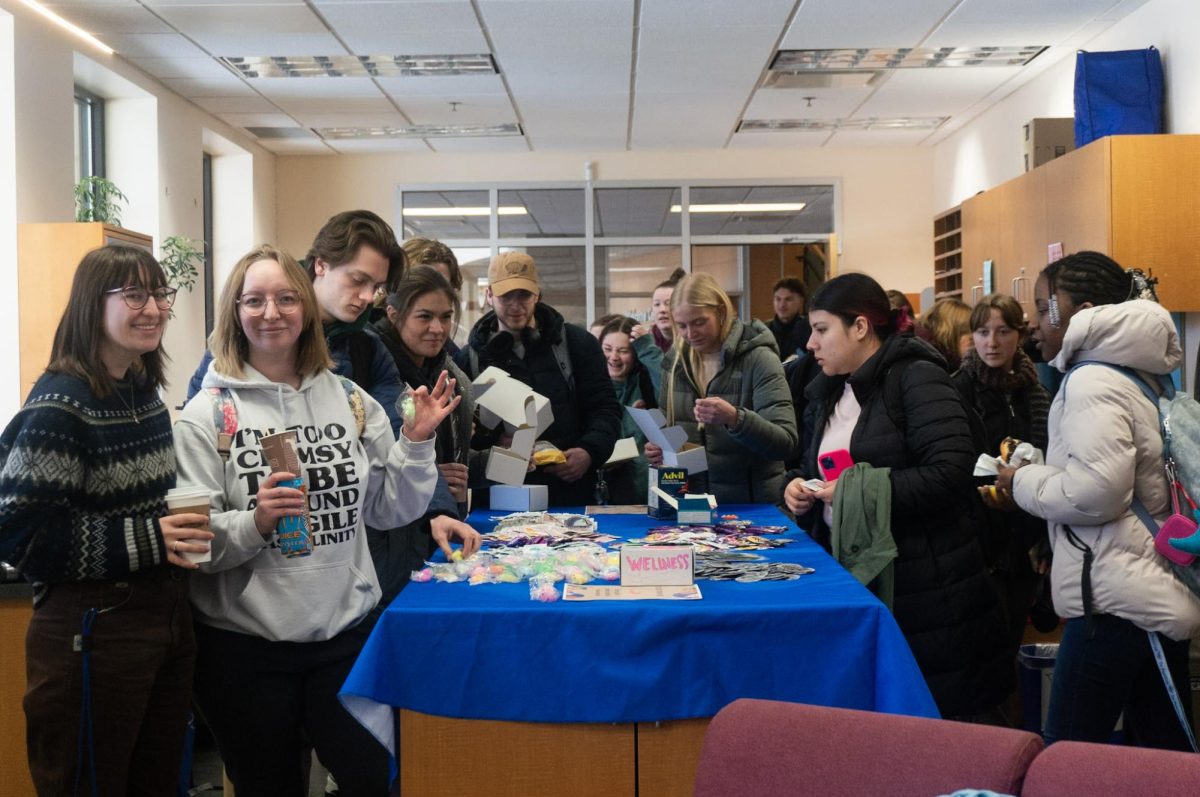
(832, 463)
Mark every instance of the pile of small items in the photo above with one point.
(745, 567)
(543, 528)
(537, 547)
(728, 535)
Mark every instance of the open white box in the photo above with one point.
(525, 415)
(677, 451)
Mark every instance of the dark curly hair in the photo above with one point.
(1089, 277)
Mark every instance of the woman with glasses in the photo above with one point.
(87, 464)
(278, 633)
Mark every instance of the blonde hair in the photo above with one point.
(947, 321)
(702, 292)
(228, 343)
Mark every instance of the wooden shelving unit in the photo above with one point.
(947, 254)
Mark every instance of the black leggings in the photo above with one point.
(266, 702)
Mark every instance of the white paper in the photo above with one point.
(1024, 453)
(625, 449)
(605, 592)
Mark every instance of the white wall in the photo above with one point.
(9, 326)
(989, 151)
(155, 159)
(887, 207)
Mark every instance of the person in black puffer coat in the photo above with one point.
(999, 383)
(886, 397)
(527, 339)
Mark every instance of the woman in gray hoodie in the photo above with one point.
(277, 634)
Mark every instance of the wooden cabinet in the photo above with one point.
(47, 255)
(1131, 197)
(16, 608)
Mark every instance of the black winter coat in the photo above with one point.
(587, 414)
(913, 422)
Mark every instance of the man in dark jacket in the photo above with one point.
(561, 361)
(789, 326)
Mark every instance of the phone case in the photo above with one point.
(832, 463)
(1174, 527)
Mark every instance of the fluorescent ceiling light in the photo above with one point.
(62, 23)
(901, 58)
(421, 131)
(264, 66)
(743, 207)
(503, 210)
(811, 125)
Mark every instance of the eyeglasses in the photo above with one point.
(136, 298)
(286, 302)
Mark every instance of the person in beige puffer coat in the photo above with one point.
(1105, 450)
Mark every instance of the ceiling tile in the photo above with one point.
(227, 30)
(1015, 22)
(153, 45)
(786, 140)
(793, 103)
(363, 146)
(934, 92)
(211, 87)
(198, 3)
(500, 144)
(447, 86)
(287, 146)
(478, 109)
(676, 14)
(335, 105)
(543, 15)
(315, 87)
(195, 68)
(381, 118)
(219, 105)
(416, 41)
(127, 17)
(825, 24)
(418, 15)
(259, 119)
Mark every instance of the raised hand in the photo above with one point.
(429, 408)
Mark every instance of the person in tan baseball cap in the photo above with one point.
(533, 343)
(513, 290)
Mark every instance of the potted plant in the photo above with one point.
(98, 199)
(180, 258)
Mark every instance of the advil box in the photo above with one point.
(670, 481)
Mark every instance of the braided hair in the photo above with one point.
(1089, 277)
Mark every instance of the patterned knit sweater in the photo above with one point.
(83, 483)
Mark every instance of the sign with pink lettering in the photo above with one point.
(657, 565)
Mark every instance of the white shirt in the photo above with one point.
(837, 432)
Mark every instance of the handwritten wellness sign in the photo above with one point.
(657, 565)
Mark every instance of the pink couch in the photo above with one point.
(762, 748)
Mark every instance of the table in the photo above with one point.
(488, 652)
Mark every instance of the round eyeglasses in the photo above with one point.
(286, 302)
(136, 298)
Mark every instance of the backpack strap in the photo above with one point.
(562, 354)
(224, 415)
(357, 408)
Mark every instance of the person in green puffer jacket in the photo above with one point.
(724, 384)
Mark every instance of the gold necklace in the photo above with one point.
(131, 404)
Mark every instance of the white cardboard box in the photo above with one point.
(522, 498)
(677, 451)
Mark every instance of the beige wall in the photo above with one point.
(158, 152)
(886, 195)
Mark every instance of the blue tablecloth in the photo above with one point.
(489, 652)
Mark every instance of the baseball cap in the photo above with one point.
(512, 271)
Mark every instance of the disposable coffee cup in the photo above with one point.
(189, 500)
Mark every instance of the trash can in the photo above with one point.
(1037, 673)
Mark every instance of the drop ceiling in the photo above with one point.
(590, 74)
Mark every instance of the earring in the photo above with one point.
(1055, 314)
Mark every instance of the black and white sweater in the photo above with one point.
(83, 483)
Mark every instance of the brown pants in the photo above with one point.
(142, 656)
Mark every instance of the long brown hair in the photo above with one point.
(701, 291)
(228, 343)
(80, 333)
